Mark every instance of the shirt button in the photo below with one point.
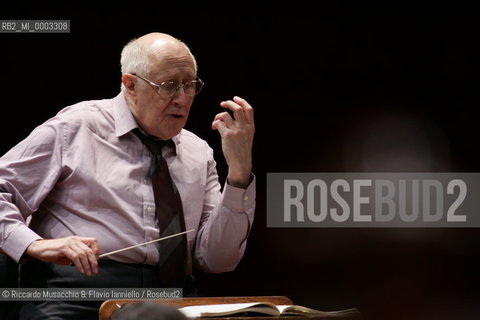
(245, 198)
(150, 209)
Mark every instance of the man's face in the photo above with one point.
(157, 114)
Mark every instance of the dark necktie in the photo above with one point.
(169, 212)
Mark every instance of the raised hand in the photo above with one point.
(237, 139)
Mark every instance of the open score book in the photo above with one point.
(265, 308)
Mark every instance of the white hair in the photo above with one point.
(134, 58)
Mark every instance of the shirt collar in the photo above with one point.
(125, 122)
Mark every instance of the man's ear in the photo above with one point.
(129, 83)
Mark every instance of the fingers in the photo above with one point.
(81, 255)
(75, 255)
(220, 126)
(93, 258)
(242, 110)
(82, 252)
(247, 109)
(224, 117)
(84, 258)
(92, 243)
(238, 113)
(242, 113)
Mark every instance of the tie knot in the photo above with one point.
(153, 144)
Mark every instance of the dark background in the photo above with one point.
(337, 88)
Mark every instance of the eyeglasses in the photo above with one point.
(168, 89)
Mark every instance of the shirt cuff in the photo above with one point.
(18, 241)
(240, 199)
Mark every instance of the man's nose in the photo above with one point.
(180, 97)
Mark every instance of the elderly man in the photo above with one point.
(103, 175)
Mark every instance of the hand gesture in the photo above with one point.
(237, 139)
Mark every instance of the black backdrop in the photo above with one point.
(338, 88)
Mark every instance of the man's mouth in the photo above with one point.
(177, 116)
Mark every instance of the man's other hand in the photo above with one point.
(81, 251)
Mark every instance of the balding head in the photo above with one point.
(150, 63)
(141, 55)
